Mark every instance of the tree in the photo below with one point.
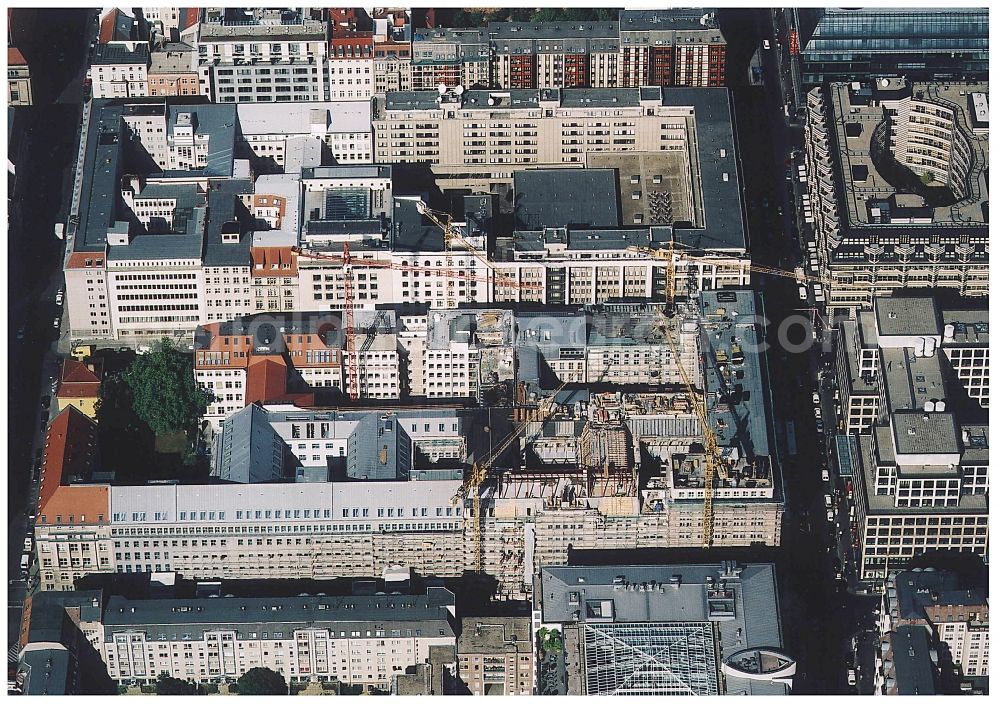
(261, 680)
(166, 685)
(164, 392)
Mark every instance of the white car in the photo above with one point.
(818, 412)
(829, 515)
(828, 500)
(803, 294)
(767, 44)
(826, 475)
(59, 298)
(55, 323)
(815, 398)
(852, 677)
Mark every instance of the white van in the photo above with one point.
(25, 560)
(803, 294)
(826, 475)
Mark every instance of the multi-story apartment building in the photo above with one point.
(958, 337)
(450, 57)
(526, 55)
(392, 36)
(496, 655)
(674, 629)
(119, 72)
(477, 139)
(947, 616)
(355, 640)
(18, 78)
(262, 55)
(897, 188)
(351, 57)
(173, 71)
(924, 44)
(920, 476)
(670, 47)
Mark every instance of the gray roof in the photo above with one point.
(747, 415)
(495, 635)
(175, 57)
(911, 315)
(49, 671)
(912, 660)
(745, 610)
(411, 232)
(106, 54)
(183, 619)
(933, 433)
(916, 591)
(562, 197)
(247, 449)
(676, 18)
(105, 162)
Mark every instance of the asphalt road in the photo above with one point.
(55, 43)
(819, 615)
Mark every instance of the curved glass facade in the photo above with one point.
(923, 44)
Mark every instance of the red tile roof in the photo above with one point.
(108, 23)
(70, 451)
(189, 17)
(274, 261)
(15, 57)
(267, 378)
(78, 381)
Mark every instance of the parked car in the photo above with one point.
(826, 475)
(816, 398)
(828, 500)
(27, 544)
(20, 333)
(59, 297)
(818, 412)
(55, 323)
(852, 677)
(803, 294)
(829, 515)
(45, 401)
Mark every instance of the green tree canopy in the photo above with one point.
(164, 392)
(261, 680)
(166, 685)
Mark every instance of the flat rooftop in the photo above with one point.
(565, 197)
(916, 315)
(854, 123)
(305, 118)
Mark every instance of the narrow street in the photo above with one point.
(817, 608)
(50, 129)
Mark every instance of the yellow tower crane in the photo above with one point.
(480, 470)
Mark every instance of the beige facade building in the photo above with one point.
(359, 640)
(496, 655)
(18, 78)
(173, 71)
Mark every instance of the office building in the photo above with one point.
(923, 44)
(959, 337)
(496, 655)
(18, 78)
(897, 188)
(930, 621)
(670, 629)
(920, 476)
(262, 55)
